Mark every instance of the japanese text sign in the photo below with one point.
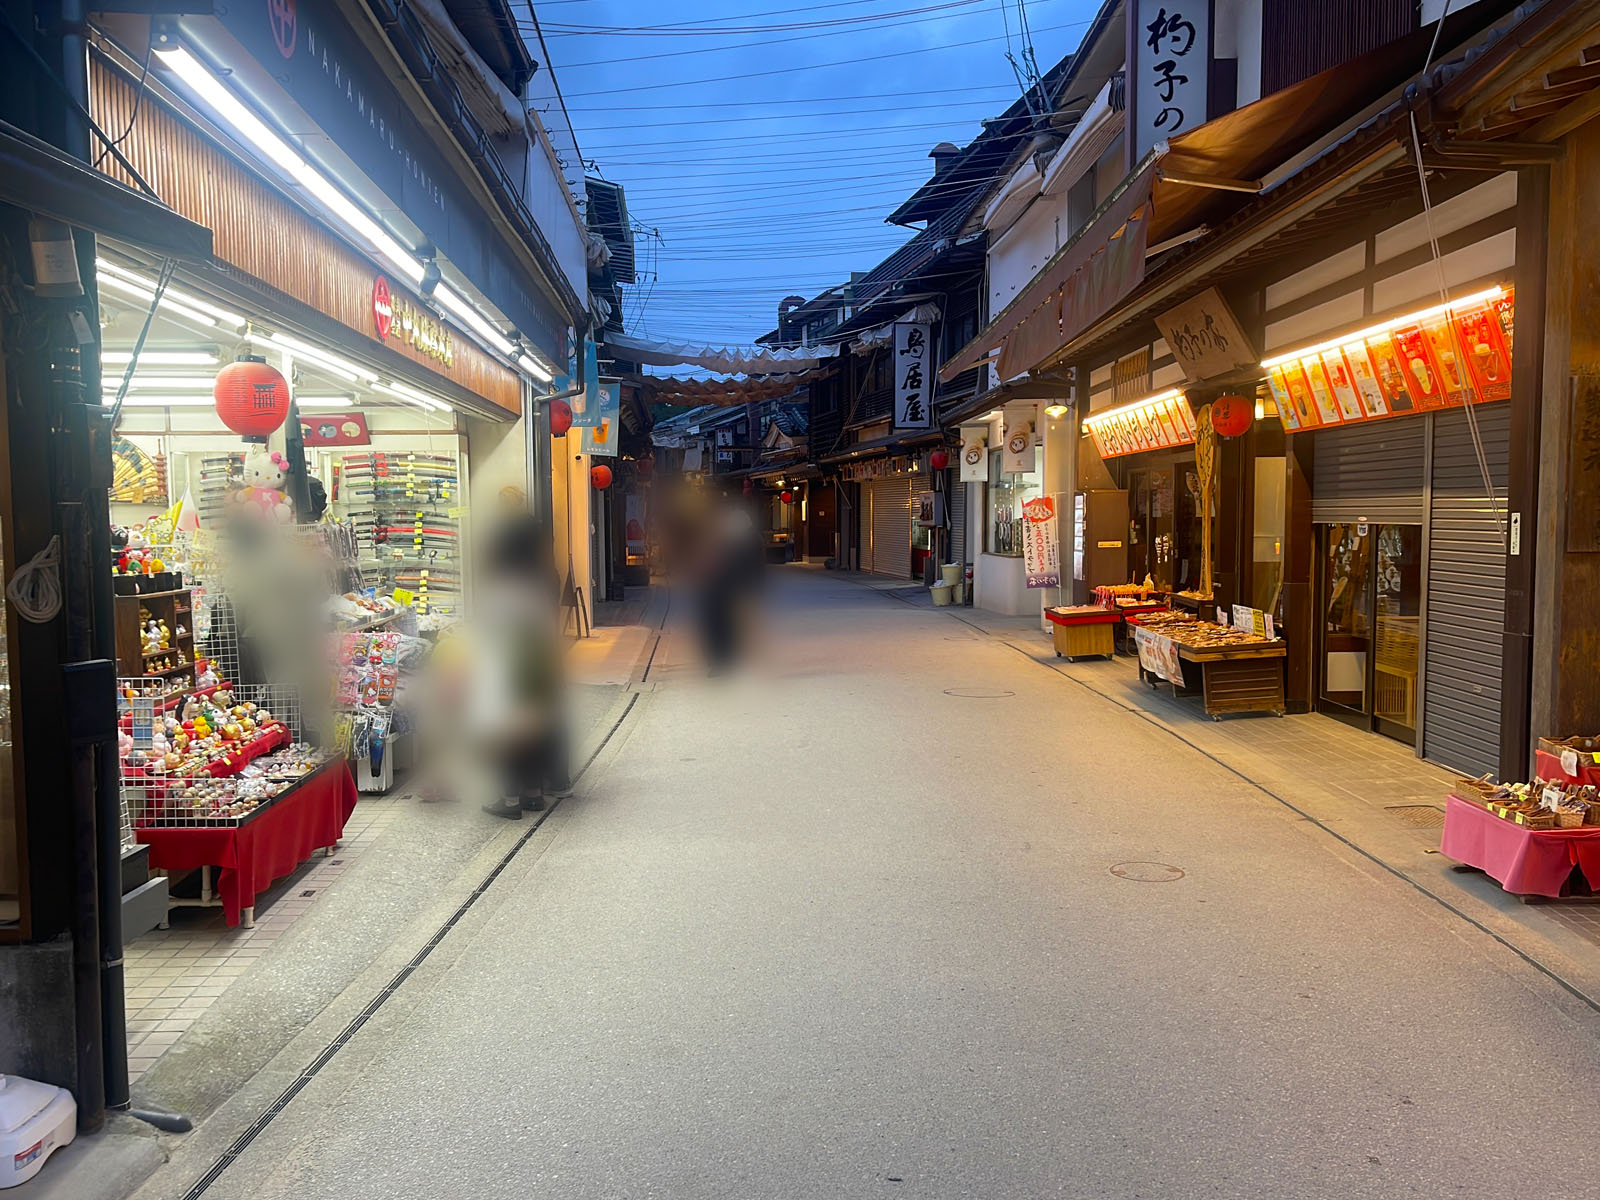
(1204, 337)
(1041, 551)
(601, 437)
(913, 368)
(1170, 62)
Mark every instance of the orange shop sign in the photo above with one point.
(1441, 357)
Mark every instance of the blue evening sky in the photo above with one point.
(768, 158)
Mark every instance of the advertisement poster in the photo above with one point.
(586, 404)
(601, 437)
(335, 429)
(1041, 552)
(1158, 655)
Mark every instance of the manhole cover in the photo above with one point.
(1148, 872)
(1421, 816)
(975, 693)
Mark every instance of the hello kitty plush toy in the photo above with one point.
(263, 482)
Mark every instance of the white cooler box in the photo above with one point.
(35, 1119)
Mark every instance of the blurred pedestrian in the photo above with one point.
(517, 690)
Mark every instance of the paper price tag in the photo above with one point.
(403, 596)
(453, 513)
(1550, 798)
(1569, 761)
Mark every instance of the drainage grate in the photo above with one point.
(1418, 816)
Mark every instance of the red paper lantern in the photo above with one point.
(560, 418)
(939, 459)
(252, 398)
(786, 496)
(642, 468)
(1231, 415)
(600, 476)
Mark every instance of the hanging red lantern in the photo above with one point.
(749, 487)
(1231, 415)
(560, 418)
(252, 398)
(642, 468)
(600, 476)
(939, 459)
(786, 496)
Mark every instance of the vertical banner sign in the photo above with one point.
(586, 404)
(601, 437)
(1041, 551)
(913, 376)
(1169, 45)
(975, 455)
(1017, 457)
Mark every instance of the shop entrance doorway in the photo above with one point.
(1369, 635)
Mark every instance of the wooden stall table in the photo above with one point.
(1242, 678)
(265, 845)
(1083, 631)
(1526, 862)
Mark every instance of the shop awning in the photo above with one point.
(1182, 184)
(44, 180)
(894, 443)
(973, 408)
(882, 335)
(730, 360)
(723, 392)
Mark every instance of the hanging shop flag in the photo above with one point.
(975, 454)
(1041, 549)
(1017, 456)
(601, 437)
(913, 376)
(1205, 338)
(586, 404)
(1167, 87)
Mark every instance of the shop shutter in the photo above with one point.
(1370, 472)
(890, 546)
(956, 501)
(1466, 590)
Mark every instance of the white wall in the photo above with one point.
(1236, 33)
(1018, 254)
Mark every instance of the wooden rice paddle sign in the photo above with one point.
(1205, 461)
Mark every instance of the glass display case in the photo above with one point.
(1008, 492)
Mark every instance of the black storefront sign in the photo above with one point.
(312, 53)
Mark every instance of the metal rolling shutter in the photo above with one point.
(1369, 473)
(1466, 589)
(956, 496)
(890, 546)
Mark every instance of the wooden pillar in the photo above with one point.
(1522, 491)
(1299, 576)
(1566, 623)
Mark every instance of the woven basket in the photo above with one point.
(1540, 820)
(1570, 818)
(1475, 791)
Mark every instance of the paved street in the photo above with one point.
(855, 924)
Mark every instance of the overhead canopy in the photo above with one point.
(1195, 178)
(44, 180)
(723, 392)
(730, 360)
(882, 335)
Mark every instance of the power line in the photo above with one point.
(692, 29)
(842, 62)
(782, 41)
(554, 82)
(988, 87)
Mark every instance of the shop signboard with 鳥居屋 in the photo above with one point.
(1041, 551)
(912, 380)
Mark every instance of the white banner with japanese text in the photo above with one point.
(1041, 548)
(1158, 655)
(913, 375)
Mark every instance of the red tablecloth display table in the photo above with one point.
(1082, 630)
(1526, 862)
(267, 845)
